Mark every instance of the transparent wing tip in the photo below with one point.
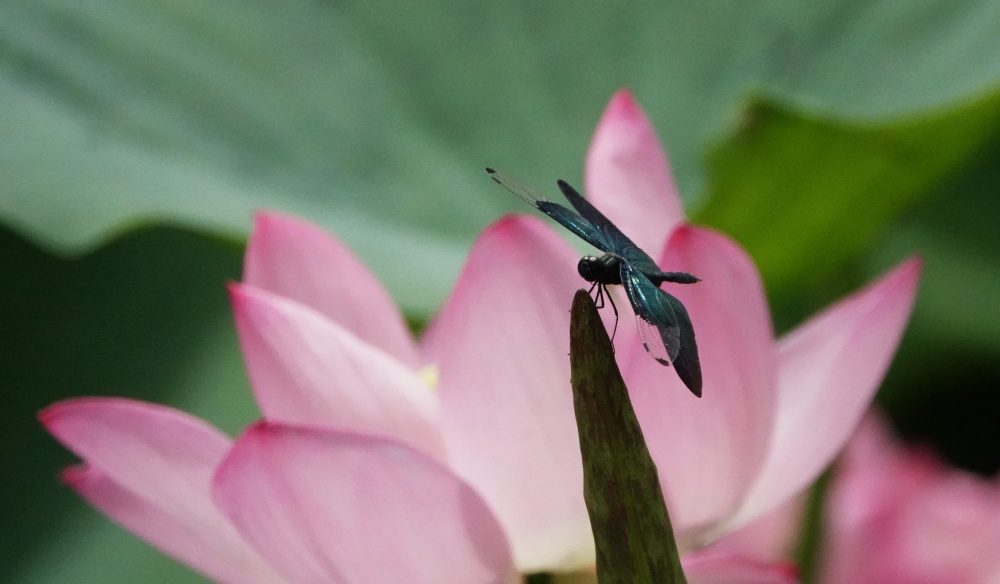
(659, 360)
(654, 343)
(523, 192)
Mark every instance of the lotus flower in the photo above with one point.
(333, 368)
(897, 515)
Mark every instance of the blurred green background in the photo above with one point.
(831, 138)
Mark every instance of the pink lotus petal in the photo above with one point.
(831, 367)
(163, 454)
(628, 178)
(708, 450)
(161, 462)
(772, 537)
(219, 554)
(306, 369)
(329, 506)
(502, 344)
(864, 534)
(897, 515)
(294, 258)
(708, 567)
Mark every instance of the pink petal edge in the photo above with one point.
(510, 430)
(831, 367)
(332, 506)
(771, 537)
(218, 551)
(709, 567)
(306, 369)
(628, 177)
(294, 258)
(708, 450)
(160, 453)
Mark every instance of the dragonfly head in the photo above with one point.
(604, 269)
(590, 268)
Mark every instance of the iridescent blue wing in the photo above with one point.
(620, 244)
(664, 326)
(581, 226)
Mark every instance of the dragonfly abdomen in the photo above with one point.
(675, 277)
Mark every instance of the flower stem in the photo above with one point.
(635, 542)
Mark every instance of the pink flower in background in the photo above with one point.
(898, 515)
(481, 408)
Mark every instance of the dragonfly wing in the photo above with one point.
(655, 316)
(659, 341)
(621, 244)
(664, 326)
(580, 225)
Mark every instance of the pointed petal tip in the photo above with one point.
(623, 103)
(246, 444)
(260, 429)
(689, 238)
(916, 260)
(683, 233)
(73, 476)
(507, 221)
(265, 430)
(512, 238)
(244, 297)
(48, 414)
(623, 110)
(237, 293)
(909, 270)
(238, 300)
(265, 216)
(261, 426)
(269, 225)
(248, 441)
(282, 232)
(899, 282)
(510, 226)
(65, 419)
(267, 220)
(261, 220)
(686, 231)
(298, 259)
(51, 415)
(627, 174)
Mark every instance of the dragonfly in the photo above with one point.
(664, 325)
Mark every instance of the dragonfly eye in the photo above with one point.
(590, 268)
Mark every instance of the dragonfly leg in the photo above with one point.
(615, 308)
(599, 298)
(602, 293)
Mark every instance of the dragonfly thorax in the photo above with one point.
(604, 270)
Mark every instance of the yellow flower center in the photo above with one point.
(429, 375)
